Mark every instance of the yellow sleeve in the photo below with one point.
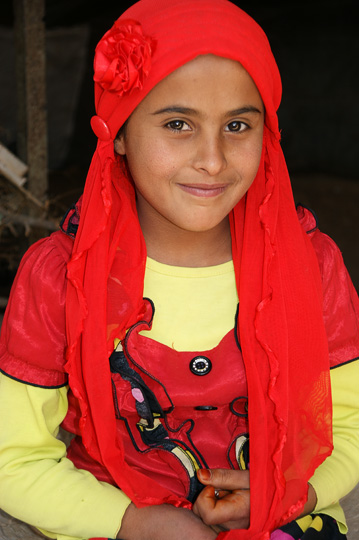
(339, 473)
(38, 484)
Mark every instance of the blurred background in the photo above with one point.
(316, 45)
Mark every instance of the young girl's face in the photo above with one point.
(193, 145)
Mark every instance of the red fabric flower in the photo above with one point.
(123, 57)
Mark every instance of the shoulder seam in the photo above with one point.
(344, 363)
(33, 384)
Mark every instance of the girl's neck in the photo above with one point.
(178, 247)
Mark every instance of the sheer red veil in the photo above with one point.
(280, 319)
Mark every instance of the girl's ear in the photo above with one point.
(119, 145)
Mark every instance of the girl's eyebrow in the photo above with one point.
(244, 110)
(188, 110)
(176, 109)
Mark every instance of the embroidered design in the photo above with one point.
(152, 431)
(242, 451)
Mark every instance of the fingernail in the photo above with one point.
(205, 474)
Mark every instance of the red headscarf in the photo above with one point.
(280, 320)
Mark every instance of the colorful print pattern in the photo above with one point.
(312, 527)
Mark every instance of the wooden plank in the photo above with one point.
(31, 92)
(12, 167)
(10, 175)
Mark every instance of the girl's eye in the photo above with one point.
(237, 126)
(178, 125)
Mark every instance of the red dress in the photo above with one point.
(198, 400)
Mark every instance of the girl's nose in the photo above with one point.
(209, 154)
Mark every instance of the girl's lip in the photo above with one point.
(204, 190)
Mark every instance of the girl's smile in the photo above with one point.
(204, 190)
(193, 147)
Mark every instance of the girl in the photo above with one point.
(185, 309)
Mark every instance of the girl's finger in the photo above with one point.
(232, 507)
(224, 479)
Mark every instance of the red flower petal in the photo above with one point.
(123, 58)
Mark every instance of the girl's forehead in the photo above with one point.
(206, 63)
(206, 76)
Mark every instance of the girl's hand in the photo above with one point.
(161, 523)
(224, 502)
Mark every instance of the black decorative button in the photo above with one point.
(200, 365)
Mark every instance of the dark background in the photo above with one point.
(316, 45)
